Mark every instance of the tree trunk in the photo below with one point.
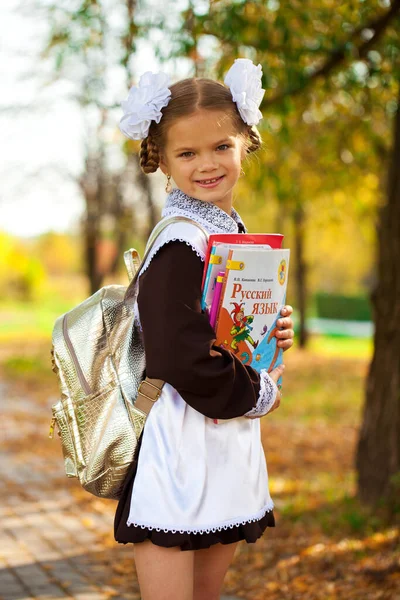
(90, 186)
(378, 451)
(119, 211)
(300, 272)
(91, 240)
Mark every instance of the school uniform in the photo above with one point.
(194, 482)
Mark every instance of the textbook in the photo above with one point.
(252, 295)
(217, 253)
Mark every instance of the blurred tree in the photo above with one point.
(21, 274)
(58, 252)
(82, 43)
(72, 34)
(378, 452)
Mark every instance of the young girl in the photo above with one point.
(197, 487)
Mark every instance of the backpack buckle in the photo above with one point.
(149, 390)
(148, 394)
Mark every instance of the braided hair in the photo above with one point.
(149, 155)
(254, 139)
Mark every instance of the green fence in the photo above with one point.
(340, 306)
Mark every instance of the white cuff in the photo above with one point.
(267, 396)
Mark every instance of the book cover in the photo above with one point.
(272, 239)
(217, 253)
(252, 295)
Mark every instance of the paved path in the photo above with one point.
(56, 541)
(52, 544)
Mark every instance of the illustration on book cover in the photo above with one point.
(253, 294)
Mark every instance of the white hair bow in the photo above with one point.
(244, 81)
(144, 104)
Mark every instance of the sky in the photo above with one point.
(41, 149)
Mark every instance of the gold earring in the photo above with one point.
(168, 187)
(242, 172)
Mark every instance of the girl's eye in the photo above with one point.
(186, 154)
(223, 147)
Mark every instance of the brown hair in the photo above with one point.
(187, 96)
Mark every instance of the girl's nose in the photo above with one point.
(207, 164)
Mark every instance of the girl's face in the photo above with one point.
(203, 154)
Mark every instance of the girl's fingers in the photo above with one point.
(285, 323)
(285, 338)
(285, 334)
(277, 372)
(285, 344)
(286, 310)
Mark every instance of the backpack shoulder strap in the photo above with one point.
(169, 221)
(131, 256)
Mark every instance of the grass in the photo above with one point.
(22, 320)
(334, 345)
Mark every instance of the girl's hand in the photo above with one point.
(286, 335)
(275, 374)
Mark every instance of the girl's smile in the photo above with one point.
(210, 183)
(203, 154)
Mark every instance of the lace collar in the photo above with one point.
(214, 219)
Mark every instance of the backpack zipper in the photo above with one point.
(78, 369)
